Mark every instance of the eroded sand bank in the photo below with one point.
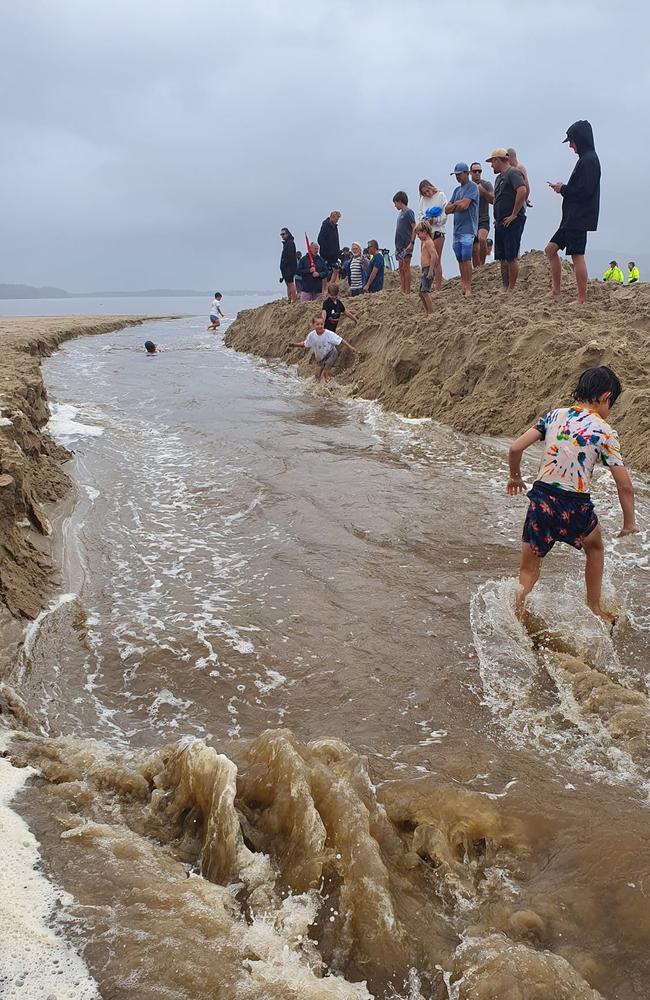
(488, 364)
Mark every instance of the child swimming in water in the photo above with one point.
(576, 439)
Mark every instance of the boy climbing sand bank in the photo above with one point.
(324, 344)
(576, 439)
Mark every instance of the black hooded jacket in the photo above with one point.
(581, 193)
(328, 241)
(288, 260)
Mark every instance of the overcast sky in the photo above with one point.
(164, 144)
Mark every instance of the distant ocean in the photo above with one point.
(140, 305)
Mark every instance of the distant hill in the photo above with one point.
(47, 292)
(29, 292)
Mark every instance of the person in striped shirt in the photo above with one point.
(357, 269)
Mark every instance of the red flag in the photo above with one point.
(309, 253)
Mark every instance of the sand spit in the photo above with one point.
(30, 461)
(489, 364)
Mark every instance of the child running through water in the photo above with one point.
(428, 263)
(215, 311)
(324, 344)
(576, 439)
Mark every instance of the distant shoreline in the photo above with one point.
(45, 292)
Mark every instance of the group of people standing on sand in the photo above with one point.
(472, 201)
(508, 197)
(307, 275)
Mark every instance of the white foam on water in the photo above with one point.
(512, 675)
(64, 426)
(275, 680)
(32, 630)
(36, 962)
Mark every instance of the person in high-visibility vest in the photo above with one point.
(632, 273)
(613, 273)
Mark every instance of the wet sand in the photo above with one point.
(291, 738)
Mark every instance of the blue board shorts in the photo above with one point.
(463, 246)
(557, 515)
(425, 280)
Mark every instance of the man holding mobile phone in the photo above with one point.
(580, 208)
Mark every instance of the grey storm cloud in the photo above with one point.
(165, 144)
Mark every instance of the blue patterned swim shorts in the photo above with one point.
(557, 515)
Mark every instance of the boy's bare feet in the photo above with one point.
(607, 616)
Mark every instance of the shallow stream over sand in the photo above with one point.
(408, 791)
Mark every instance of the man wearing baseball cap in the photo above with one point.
(464, 208)
(580, 208)
(509, 200)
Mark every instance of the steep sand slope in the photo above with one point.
(491, 363)
(30, 461)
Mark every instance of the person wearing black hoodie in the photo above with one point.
(580, 207)
(330, 247)
(289, 264)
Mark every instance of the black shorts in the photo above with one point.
(482, 224)
(574, 241)
(507, 239)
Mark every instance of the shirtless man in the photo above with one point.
(512, 160)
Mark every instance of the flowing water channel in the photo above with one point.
(290, 739)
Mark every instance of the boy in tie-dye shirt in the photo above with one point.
(576, 439)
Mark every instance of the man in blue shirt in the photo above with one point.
(464, 208)
(375, 281)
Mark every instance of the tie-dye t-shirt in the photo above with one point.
(576, 439)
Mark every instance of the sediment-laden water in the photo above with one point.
(290, 739)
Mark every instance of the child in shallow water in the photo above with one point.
(576, 439)
(324, 344)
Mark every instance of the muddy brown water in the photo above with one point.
(291, 738)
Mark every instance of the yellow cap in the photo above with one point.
(497, 154)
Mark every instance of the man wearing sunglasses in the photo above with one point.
(479, 250)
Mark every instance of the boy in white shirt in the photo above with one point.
(215, 311)
(324, 344)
